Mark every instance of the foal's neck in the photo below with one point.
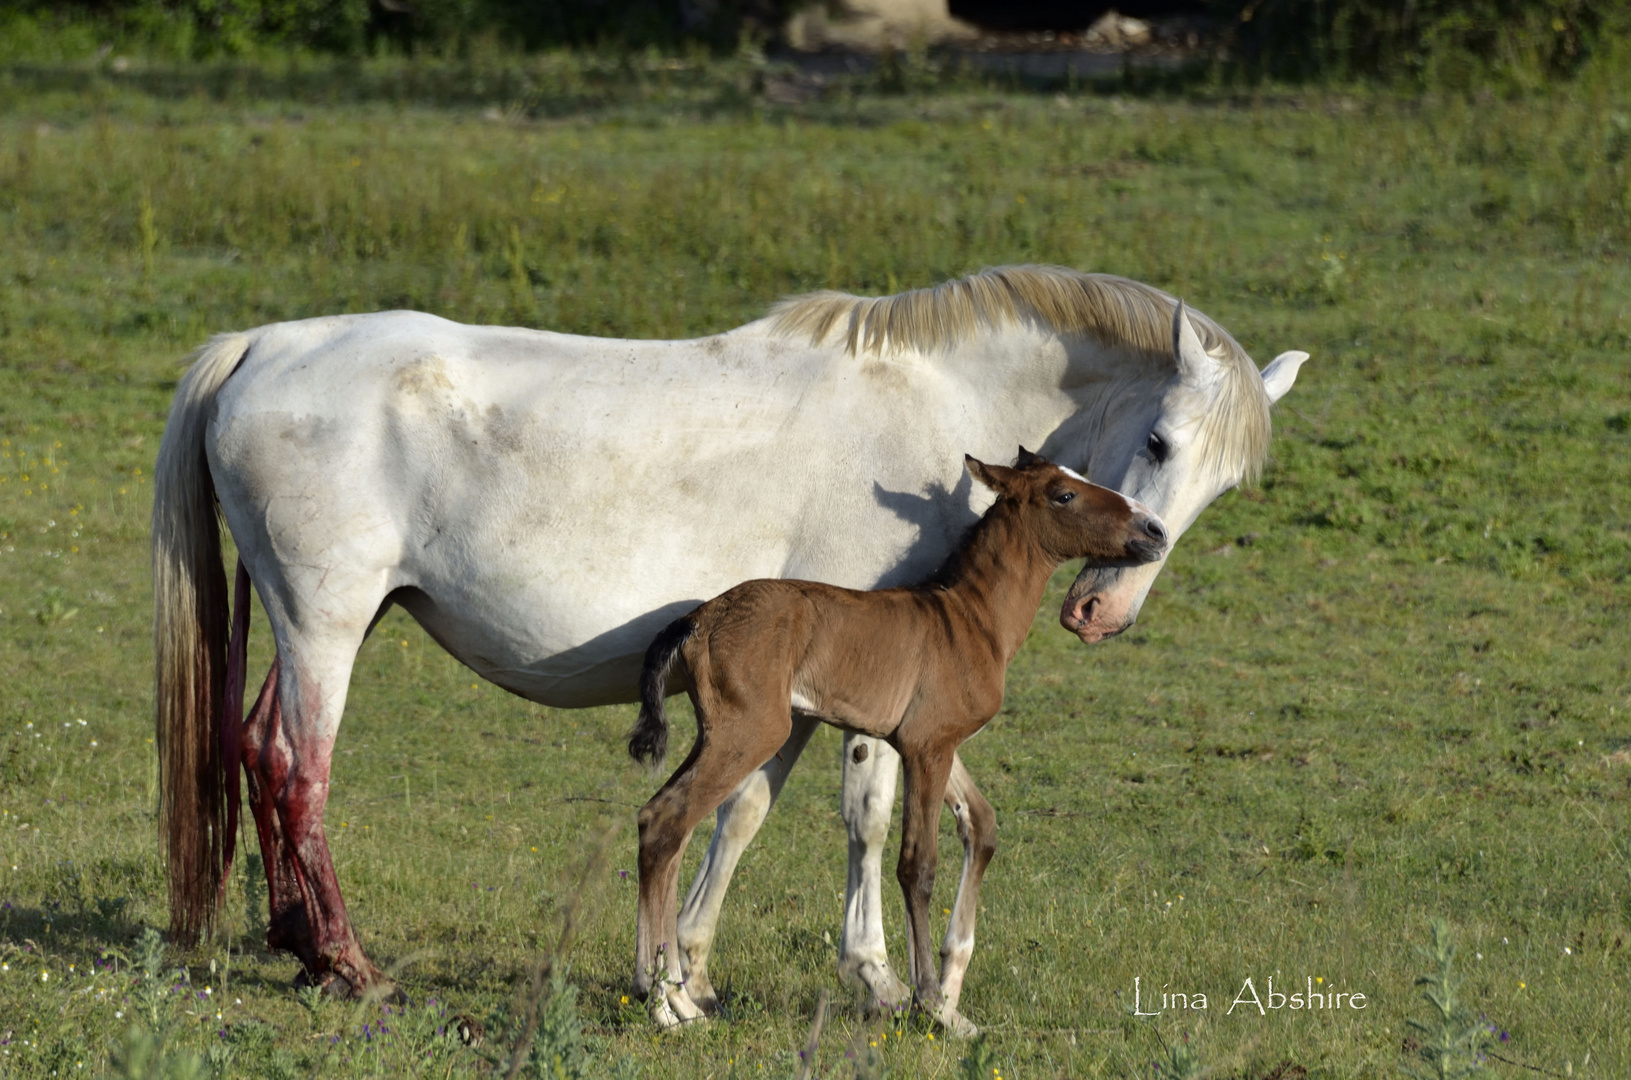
(999, 573)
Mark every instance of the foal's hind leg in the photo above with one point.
(977, 826)
(731, 743)
(740, 817)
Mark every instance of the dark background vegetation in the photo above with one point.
(1454, 42)
(1389, 683)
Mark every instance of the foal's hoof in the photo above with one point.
(675, 1009)
(955, 1023)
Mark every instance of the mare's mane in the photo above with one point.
(1117, 313)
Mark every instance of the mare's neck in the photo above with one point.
(998, 576)
(1033, 384)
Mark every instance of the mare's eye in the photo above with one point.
(1064, 497)
(1157, 446)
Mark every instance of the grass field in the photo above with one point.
(1389, 683)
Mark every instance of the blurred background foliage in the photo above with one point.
(1512, 45)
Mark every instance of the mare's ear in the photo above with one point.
(998, 478)
(1026, 459)
(1282, 372)
(1196, 366)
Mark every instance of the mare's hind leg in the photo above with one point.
(871, 770)
(311, 697)
(732, 742)
(740, 817)
(264, 761)
(288, 749)
(977, 826)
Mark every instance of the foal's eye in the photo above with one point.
(1064, 497)
(1157, 447)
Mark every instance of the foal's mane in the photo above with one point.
(1115, 312)
(1000, 515)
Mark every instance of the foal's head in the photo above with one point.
(1072, 518)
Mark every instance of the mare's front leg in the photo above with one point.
(977, 826)
(871, 768)
(739, 818)
(927, 771)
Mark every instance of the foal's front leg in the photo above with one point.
(927, 772)
(977, 826)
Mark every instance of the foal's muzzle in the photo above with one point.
(1149, 539)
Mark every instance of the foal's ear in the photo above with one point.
(999, 478)
(1026, 459)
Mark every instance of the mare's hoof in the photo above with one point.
(701, 992)
(333, 985)
(339, 988)
(955, 1023)
(885, 993)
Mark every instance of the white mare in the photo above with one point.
(543, 504)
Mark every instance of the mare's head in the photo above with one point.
(1070, 517)
(1175, 443)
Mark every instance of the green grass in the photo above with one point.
(1389, 683)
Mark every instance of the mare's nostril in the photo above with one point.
(1157, 531)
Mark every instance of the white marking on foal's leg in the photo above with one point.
(871, 770)
(974, 822)
(738, 820)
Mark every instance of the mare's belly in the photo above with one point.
(540, 646)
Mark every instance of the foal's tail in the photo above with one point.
(189, 644)
(648, 740)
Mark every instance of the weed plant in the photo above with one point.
(1390, 681)
(1452, 1039)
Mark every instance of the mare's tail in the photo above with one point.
(190, 614)
(648, 740)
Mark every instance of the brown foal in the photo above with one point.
(921, 666)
